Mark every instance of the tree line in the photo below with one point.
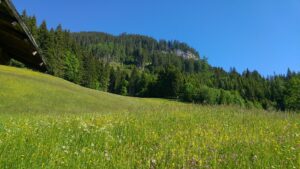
(136, 65)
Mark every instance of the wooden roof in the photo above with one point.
(15, 39)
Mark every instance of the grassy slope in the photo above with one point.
(31, 92)
(46, 122)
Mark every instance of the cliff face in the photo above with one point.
(186, 55)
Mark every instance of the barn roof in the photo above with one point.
(16, 40)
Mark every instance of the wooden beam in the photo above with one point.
(16, 41)
(15, 38)
(6, 27)
(19, 48)
(4, 15)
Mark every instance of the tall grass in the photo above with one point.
(46, 122)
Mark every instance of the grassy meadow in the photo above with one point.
(46, 122)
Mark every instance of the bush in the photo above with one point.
(231, 98)
(255, 104)
(209, 95)
(188, 93)
(16, 63)
(206, 95)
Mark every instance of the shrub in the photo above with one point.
(206, 95)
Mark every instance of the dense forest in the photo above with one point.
(141, 66)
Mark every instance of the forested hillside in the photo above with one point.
(141, 66)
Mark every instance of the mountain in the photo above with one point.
(132, 49)
(141, 66)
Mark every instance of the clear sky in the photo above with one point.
(257, 34)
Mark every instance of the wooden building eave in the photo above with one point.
(16, 40)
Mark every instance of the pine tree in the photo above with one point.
(133, 86)
(103, 76)
(293, 94)
(43, 36)
(71, 67)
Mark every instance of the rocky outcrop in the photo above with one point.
(186, 55)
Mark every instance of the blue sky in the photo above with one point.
(257, 34)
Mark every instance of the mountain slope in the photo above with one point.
(129, 43)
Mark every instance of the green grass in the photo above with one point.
(46, 122)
